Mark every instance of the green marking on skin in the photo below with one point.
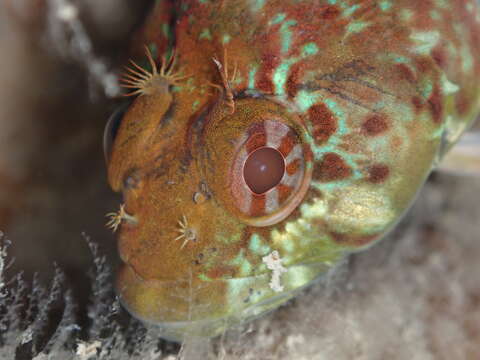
(385, 5)
(435, 15)
(406, 14)
(251, 76)
(281, 73)
(286, 34)
(258, 5)
(226, 39)
(195, 105)
(241, 262)
(309, 49)
(467, 59)
(205, 34)
(204, 277)
(426, 41)
(349, 11)
(356, 27)
(448, 87)
(305, 99)
(427, 90)
(278, 19)
(257, 246)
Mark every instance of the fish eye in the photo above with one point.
(264, 169)
(257, 161)
(269, 173)
(111, 129)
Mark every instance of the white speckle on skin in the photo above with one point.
(274, 263)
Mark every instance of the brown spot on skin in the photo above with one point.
(436, 106)
(378, 173)
(438, 54)
(264, 81)
(323, 122)
(375, 125)
(423, 64)
(353, 240)
(331, 168)
(331, 12)
(417, 103)
(406, 73)
(293, 80)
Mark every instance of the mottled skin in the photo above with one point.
(375, 93)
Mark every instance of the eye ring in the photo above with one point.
(278, 195)
(111, 129)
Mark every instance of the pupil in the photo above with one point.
(263, 169)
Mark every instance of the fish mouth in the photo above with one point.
(191, 307)
(175, 324)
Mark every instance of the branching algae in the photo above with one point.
(271, 138)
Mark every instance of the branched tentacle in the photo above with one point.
(148, 82)
(226, 81)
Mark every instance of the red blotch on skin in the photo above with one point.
(406, 73)
(378, 173)
(417, 103)
(423, 64)
(293, 80)
(264, 77)
(375, 125)
(331, 12)
(323, 122)
(436, 106)
(438, 54)
(257, 207)
(287, 144)
(331, 168)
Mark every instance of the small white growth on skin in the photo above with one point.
(87, 350)
(274, 263)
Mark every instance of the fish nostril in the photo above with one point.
(264, 169)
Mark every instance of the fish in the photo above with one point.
(266, 140)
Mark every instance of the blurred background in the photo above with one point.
(416, 295)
